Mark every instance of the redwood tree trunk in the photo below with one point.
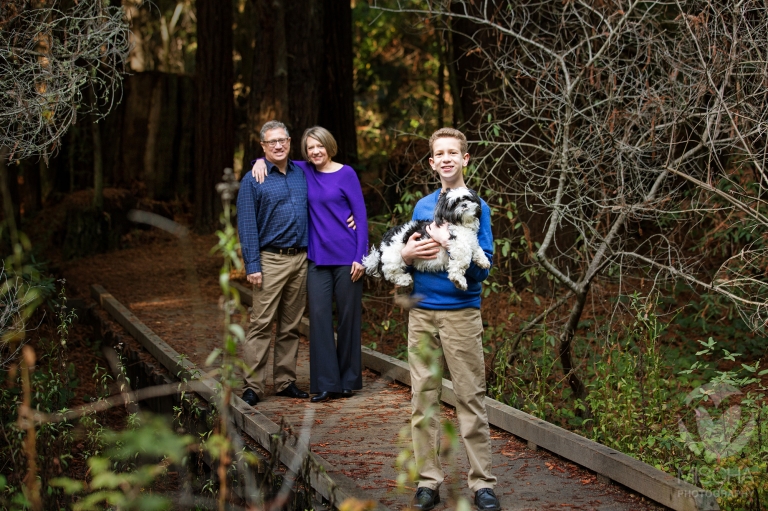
(214, 130)
(304, 26)
(98, 157)
(300, 72)
(10, 206)
(337, 103)
(268, 68)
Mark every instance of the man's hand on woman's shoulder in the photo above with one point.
(259, 170)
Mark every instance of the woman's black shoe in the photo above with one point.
(347, 393)
(323, 396)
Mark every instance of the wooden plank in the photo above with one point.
(158, 348)
(249, 420)
(632, 473)
(387, 366)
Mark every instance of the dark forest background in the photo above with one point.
(620, 144)
(377, 81)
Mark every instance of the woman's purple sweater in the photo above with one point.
(332, 197)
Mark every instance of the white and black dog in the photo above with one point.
(460, 208)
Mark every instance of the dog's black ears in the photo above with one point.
(441, 208)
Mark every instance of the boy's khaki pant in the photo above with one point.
(459, 333)
(282, 298)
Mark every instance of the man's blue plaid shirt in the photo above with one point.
(273, 213)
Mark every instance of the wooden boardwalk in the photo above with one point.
(358, 439)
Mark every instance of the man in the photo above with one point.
(448, 318)
(272, 224)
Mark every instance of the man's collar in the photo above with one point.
(271, 166)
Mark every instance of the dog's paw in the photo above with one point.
(459, 281)
(483, 262)
(403, 280)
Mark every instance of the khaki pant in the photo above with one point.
(282, 298)
(460, 333)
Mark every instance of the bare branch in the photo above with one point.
(47, 57)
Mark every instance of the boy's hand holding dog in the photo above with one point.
(440, 234)
(421, 249)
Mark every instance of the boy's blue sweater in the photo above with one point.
(433, 288)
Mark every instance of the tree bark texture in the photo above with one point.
(467, 68)
(10, 206)
(268, 91)
(98, 157)
(303, 30)
(150, 137)
(564, 349)
(299, 71)
(214, 119)
(147, 144)
(337, 106)
(27, 178)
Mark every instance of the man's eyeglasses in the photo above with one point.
(273, 143)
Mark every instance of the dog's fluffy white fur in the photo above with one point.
(460, 208)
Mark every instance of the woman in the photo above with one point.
(335, 252)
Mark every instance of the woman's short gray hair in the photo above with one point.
(323, 136)
(272, 125)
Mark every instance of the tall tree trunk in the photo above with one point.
(71, 150)
(98, 158)
(337, 94)
(566, 337)
(268, 73)
(441, 92)
(280, 75)
(214, 130)
(453, 79)
(287, 77)
(153, 132)
(10, 207)
(47, 180)
(306, 65)
(470, 71)
(29, 187)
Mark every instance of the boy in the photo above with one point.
(449, 318)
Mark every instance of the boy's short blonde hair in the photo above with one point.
(448, 133)
(323, 136)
